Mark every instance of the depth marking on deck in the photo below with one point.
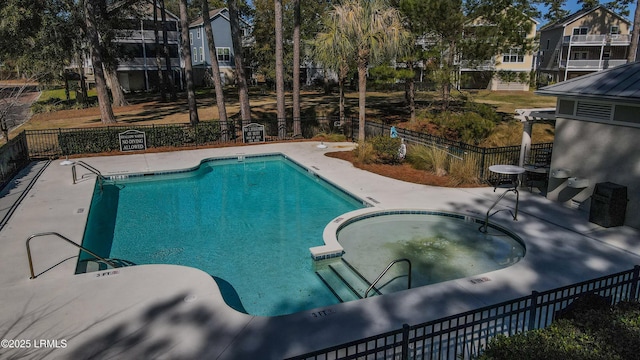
(479, 280)
(315, 167)
(373, 200)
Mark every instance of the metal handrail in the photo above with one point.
(88, 167)
(385, 271)
(82, 248)
(483, 228)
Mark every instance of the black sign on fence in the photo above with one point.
(253, 133)
(132, 140)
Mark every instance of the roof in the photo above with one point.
(575, 16)
(212, 14)
(621, 83)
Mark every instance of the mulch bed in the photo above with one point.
(402, 172)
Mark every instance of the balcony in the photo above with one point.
(140, 64)
(146, 35)
(591, 65)
(486, 65)
(598, 40)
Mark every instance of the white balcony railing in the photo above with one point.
(139, 63)
(147, 35)
(591, 65)
(609, 39)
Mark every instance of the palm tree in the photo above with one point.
(282, 125)
(376, 33)
(215, 70)
(334, 52)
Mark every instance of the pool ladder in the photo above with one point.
(483, 227)
(101, 178)
(82, 248)
(371, 287)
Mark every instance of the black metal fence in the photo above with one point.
(95, 140)
(14, 156)
(482, 157)
(463, 336)
(63, 142)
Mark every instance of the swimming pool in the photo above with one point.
(247, 221)
(440, 245)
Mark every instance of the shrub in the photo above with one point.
(471, 127)
(585, 332)
(386, 149)
(364, 153)
(428, 158)
(463, 171)
(485, 111)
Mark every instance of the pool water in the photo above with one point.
(247, 222)
(441, 246)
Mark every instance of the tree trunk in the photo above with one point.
(188, 67)
(156, 37)
(344, 72)
(362, 96)
(241, 78)
(83, 82)
(282, 116)
(297, 126)
(410, 94)
(635, 33)
(116, 90)
(106, 112)
(168, 73)
(215, 70)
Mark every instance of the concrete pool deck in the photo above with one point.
(168, 311)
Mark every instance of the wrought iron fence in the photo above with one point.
(482, 157)
(463, 336)
(14, 156)
(63, 142)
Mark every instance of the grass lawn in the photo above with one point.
(381, 106)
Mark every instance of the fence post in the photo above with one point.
(405, 341)
(533, 310)
(634, 283)
(484, 152)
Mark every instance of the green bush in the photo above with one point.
(88, 141)
(470, 127)
(386, 149)
(428, 158)
(463, 171)
(364, 153)
(586, 332)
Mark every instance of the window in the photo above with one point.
(190, 38)
(615, 30)
(224, 54)
(198, 33)
(513, 56)
(201, 53)
(548, 43)
(579, 55)
(195, 54)
(606, 54)
(580, 30)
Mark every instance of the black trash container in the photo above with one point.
(608, 204)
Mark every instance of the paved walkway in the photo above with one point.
(169, 311)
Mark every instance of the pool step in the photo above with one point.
(90, 265)
(344, 281)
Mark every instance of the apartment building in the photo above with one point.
(584, 42)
